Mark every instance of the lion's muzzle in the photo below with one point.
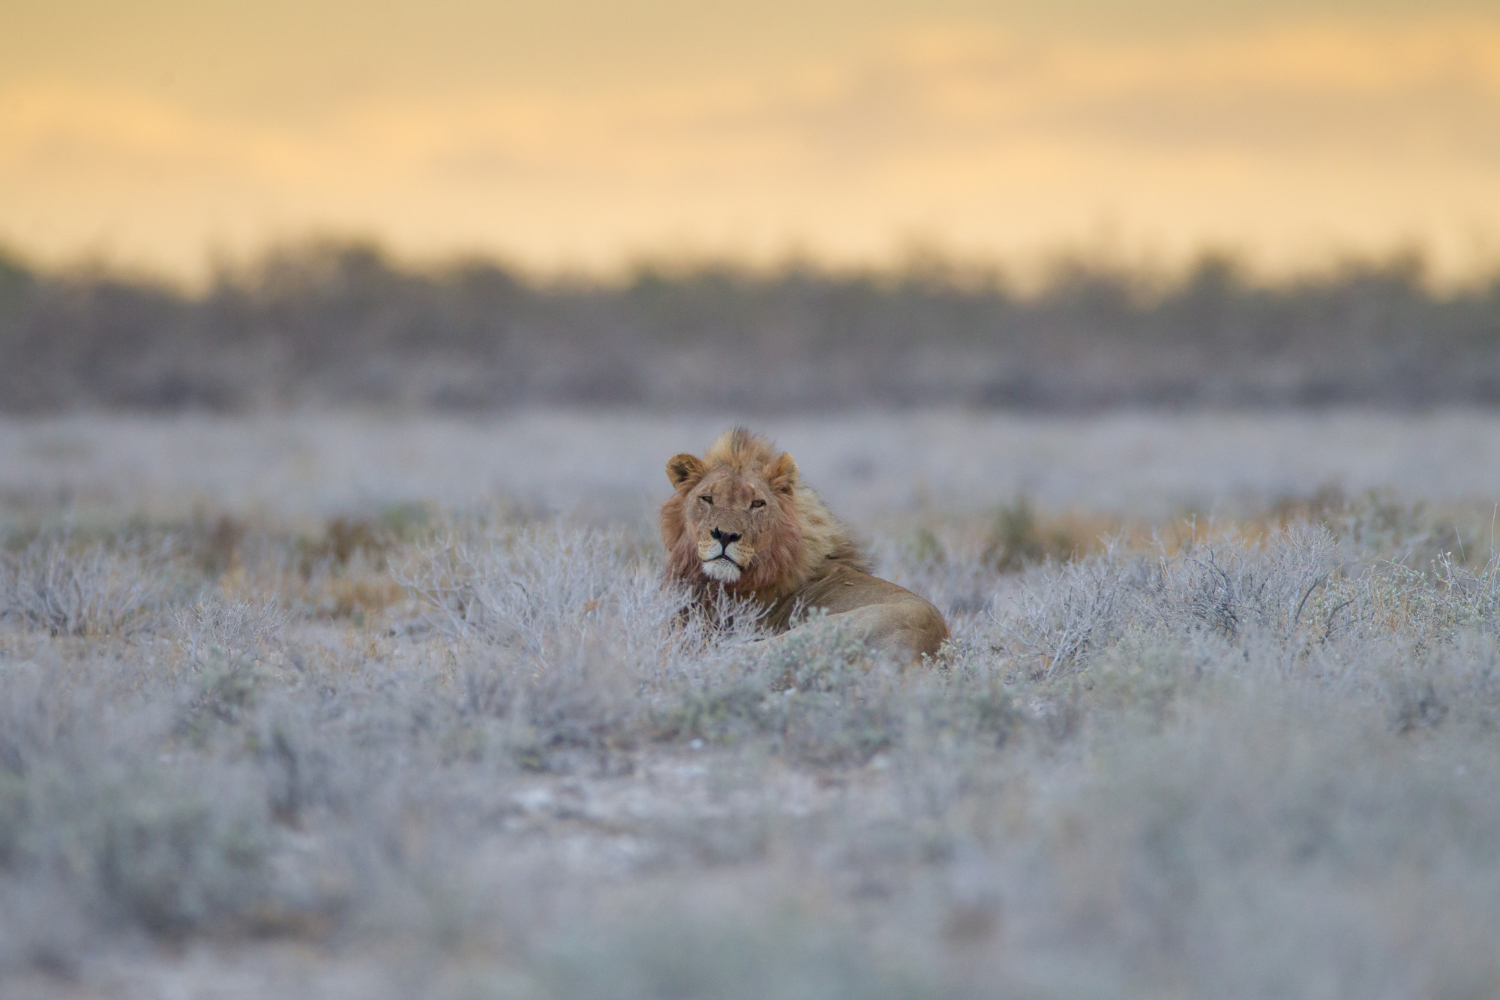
(724, 557)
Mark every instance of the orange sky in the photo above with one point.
(580, 133)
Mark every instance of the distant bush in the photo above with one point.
(340, 324)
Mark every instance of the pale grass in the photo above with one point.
(491, 755)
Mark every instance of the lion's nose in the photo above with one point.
(724, 537)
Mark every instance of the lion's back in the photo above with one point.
(890, 607)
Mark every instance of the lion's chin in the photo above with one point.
(722, 570)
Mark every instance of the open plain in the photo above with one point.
(387, 707)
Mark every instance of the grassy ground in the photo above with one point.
(474, 755)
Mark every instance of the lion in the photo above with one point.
(741, 520)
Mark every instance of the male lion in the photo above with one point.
(741, 520)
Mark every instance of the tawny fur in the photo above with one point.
(799, 558)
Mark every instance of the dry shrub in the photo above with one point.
(87, 589)
(525, 588)
(1303, 588)
(134, 838)
(564, 634)
(226, 645)
(1248, 852)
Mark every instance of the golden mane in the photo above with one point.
(819, 539)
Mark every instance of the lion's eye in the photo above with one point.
(707, 500)
(757, 503)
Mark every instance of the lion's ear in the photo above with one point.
(782, 475)
(681, 468)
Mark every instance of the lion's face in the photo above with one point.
(734, 525)
(728, 515)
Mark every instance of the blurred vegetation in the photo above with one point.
(332, 324)
(525, 773)
(1017, 540)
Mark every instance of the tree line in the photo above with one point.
(343, 324)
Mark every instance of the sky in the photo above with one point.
(584, 134)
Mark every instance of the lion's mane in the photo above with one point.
(807, 539)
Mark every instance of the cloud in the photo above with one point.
(986, 138)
